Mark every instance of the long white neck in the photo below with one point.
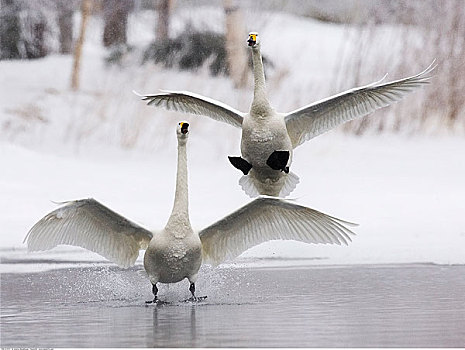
(260, 102)
(180, 214)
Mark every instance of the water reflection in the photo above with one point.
(174, 326)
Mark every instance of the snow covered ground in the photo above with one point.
(406, 192)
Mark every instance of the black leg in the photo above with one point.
(241, 164)
(192, 290)
(154, 291)
(193, 298)
(278, 161)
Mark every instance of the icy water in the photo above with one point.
(299, 306)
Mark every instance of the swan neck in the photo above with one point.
(180, 213)
(260, 98)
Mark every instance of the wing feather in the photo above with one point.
(188, 102)
(87, 223)
(270, 218)
(312, 120)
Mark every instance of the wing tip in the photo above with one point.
(143, 97)
(432, 66)
(378, 81)
(137, 94)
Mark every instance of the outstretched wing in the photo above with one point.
(87, 223)
(188, 102)
(270, 218)
(321, 116)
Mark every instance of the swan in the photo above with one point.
(268, 137)
(177, 252)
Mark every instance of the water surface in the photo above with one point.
(299, 306)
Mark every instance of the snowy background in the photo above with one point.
(403, 181)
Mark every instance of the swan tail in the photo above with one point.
(289, 185)
(248, 186)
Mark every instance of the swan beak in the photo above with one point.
(184, 127)
(252, 39)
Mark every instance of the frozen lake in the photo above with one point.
(405, 305)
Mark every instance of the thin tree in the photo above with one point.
(10, 30)
(85, 11)
(235, 44)
(455, 32)
(37, 47)
(115, 14)
(164, 8)
(65, 11)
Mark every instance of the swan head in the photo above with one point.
(182, 131)
(253, 40)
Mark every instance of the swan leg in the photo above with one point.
(278, 161)
(192, 289)
(241, 164)
(154, 291)
(193, 297)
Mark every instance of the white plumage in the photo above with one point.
(264, 130)
(269, 218)
(177, 251)
(87, 223)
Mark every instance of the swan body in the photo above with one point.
(177, 252)
(265, 131)
(169, 260)
(260, 138)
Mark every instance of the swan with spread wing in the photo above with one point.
(268, 137)
(177, 252)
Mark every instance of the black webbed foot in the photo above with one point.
(241, 164)
(194, 299)
(157, 301)
(278, 161)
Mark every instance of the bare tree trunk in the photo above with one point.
(65, 25)
(235, 44)
(10, 30)
(163, 24)
(36, 27)
(85, 10)
(454, 101)
(38, 43)
(115, 13)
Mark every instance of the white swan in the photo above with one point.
(176, 252)
(269, 137)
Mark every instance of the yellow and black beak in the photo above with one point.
(252, 39)
(184, 127)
